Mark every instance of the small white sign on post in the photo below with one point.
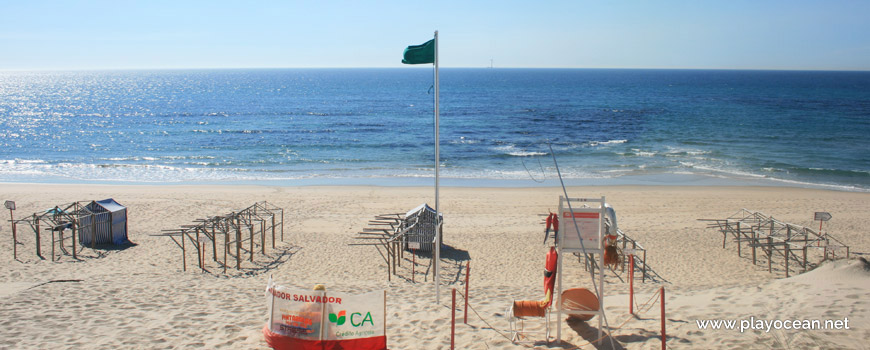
(413, 245)
(822, 216)
(10, 205)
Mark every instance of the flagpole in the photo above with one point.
(437, 204)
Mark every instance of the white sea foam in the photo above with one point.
(640, 153)
(517, 152)
(609, 142)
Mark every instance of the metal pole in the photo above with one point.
(599, 293)
(437, 203)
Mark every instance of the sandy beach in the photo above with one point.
(139, 297)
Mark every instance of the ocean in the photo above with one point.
(375, 126)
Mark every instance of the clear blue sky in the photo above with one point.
(732, 34)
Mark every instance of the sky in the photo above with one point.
(178, 34)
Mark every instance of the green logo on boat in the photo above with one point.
(338, 319)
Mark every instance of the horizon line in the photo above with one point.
(4, 70)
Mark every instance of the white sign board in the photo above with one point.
(588, 221)
(10, 205)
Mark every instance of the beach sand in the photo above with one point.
(139, 297)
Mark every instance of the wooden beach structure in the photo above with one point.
(796, 245)
(91, 224)
(236, 236)
(414, 231)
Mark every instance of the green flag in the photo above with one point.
(418, 54)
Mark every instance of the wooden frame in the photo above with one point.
(777, 239)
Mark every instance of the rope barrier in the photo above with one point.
(647, 305)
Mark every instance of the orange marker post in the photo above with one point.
(664, 337)
(453, 320)
(467, 272)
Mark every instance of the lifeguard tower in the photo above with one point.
(581, 231)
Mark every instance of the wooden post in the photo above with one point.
(199, 250)
(786, 259)
(52, 244)
(263, 237)
(201, 247)
(664, 336)
(238, 245)
(643, 272)
(74, 234)
(226, 245)
(591, 259)
(453, 320)
(282, 225)
(93, 231)
(388, 255)
(739, 236)
(273, 230)
(769, 254)
(251, 230)
(38, 245)
(14, 241)
(631, 284)
(14, 236)
(413, 265)
(753, 246)
(467, 272)
(805, 256)
(183, 251)
(213, 243)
